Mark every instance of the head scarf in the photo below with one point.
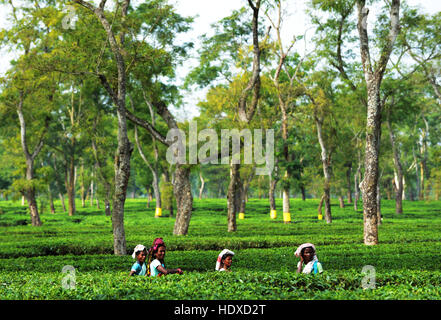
(139, 247)
(310, 264)
(219, 257)
(156, 244)
(301, 247)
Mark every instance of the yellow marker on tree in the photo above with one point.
(158, 212)
(320, 217)
(273, 214)
(287, 217)
(241, 216)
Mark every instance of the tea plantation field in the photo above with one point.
(407, 261)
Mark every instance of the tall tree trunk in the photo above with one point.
(171, 210)
(30, 196)
(92, 190)
(156, 190)
(417, 177)
(153, 167)
(370, 181)
(342, 203)
(259, 187)
(51, 199)
(303, 191)
(82, 186)
(379, 215)
(244, 192)
(243, 202)
(348, 179)
(388, 194)
(59, 185)
(122, 175)
(326, 170)
(33, 209)
(423, 165)
(149, 196)
(422, 180)
(70, 185)
(29, 192)
(169, 205)
(272, 188)
(320, 206)
(285, 199)
(124, 148)
(357, 178)
(398, 170)
(357, 197)
(287, 175)
(108, 209)
(245, 114)
(373, 80)
(201, 189)
(63, 205)
(184, 199)
(233, 196)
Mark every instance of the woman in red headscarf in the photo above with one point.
(156, 260)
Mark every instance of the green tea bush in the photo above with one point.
(222, 286)
(406, 261)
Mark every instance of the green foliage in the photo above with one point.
(406, 261)
(167, 197)
(405, 285)
(21, 185)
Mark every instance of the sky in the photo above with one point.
(296, 23)
(207, 12)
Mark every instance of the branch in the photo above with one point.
(102, 4)
(22, 126)
(429, 74)
(252, 4)
(140, 150)
(41, 140)
(165, 114)
(340, 65)
(435, 85)
(393, 33)
(90, 6)
(108, 88)
(146, 125)
(363, 13)
(152, 115)
(254, 83)
(116, 50)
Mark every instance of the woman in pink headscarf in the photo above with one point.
(156, 260)
(308, 259)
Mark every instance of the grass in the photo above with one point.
(406, 261)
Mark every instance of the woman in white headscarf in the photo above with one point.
(224, 260)
(139, 268)
(308, 259)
